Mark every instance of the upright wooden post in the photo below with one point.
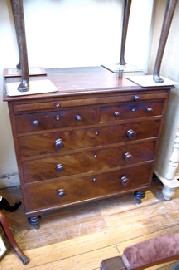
(18, 12)
(169, 12)
(126, 16)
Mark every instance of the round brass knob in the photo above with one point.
(59, 167)
(58, 144)
(124, 180)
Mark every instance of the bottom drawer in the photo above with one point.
(61, 192)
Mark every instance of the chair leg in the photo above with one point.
(169, 12)
(126, 16)
(18, 13)
(11, 239)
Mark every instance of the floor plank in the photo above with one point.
(81, 237)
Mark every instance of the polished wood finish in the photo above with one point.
(85, 188)
(18, 12)
(63, 141)
(95, 142)
(169, 12)
(81, 237)
(126, 15)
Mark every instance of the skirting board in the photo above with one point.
(9, 180)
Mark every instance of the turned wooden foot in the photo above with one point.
(23, 86)
(168, 193)
(157, 78)
(139, 195)
(34, 221)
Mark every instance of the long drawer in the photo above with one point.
(73, 190)
(89, 137)
(65, 103)
(87, 161)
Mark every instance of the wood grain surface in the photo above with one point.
(81, 237)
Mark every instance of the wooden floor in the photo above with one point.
(79, 238)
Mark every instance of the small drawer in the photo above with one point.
(131, 110)
(61, 192)
(87, 161)
(57, 119)
(62, 141)
(36, 106)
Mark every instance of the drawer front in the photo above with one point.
(73, 190)
(76, 139)
(58, 119)
(66, 103)
(87, 161)
(131, 110)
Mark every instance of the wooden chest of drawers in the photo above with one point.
(94, 138)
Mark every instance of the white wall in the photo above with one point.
(169, 69)
(69, 33)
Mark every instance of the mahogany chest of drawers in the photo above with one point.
(94, 138)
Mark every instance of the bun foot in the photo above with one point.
(34, 221)
(139, 195)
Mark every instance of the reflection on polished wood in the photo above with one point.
(81, 237)
(97, 119)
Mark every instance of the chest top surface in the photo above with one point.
(82, 82)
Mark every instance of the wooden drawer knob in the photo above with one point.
(57, 117)
(59, 167)
(128, 156)
(78, 117)
(124, 180)
(58, 144)
(131, 134)
(116, 114)
(136, 98)
(149, 109)
(57, 104)
(60, 192)
(133, 109)
(35, 123)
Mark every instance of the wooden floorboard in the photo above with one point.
(79, 238)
